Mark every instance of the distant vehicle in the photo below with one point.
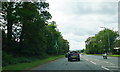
(73, 55)
(105, 56)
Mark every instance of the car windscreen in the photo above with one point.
(74, 52)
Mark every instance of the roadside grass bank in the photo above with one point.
(112, 55)
(25, 66)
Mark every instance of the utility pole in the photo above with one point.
(56, 45)
(109, 41)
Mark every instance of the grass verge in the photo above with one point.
(114, 55)
(24, 66)
(102, 54)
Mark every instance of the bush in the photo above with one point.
(6, 59)
(9, 59)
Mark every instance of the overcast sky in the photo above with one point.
(77, 20)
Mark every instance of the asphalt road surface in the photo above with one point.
(87, 62)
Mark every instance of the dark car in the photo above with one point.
(73, 55)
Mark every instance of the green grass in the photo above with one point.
(101, 55)
(24, 66)
(114, 55)
(94, 54)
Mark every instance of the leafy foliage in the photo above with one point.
(27, 35)
(101, 42)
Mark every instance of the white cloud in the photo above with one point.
(78, 20)
(76, 42)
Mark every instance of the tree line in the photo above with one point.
(104, 41)
(27, 34)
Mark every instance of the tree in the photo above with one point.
(102, 42)
(56, 43)
(29, 34)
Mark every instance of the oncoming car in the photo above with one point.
(73, 55)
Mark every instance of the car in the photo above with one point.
(73, 55)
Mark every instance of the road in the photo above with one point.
(87, 62)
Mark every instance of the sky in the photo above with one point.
(77, 19)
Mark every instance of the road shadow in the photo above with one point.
(77, 61)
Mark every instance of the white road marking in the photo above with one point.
(97, 60)
(111, 63)
(113, 66)
(92, 62)
(105, 68)
(106, 62)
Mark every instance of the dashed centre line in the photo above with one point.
(105, 68)
(99, 60)
(92, 62)
(106, 62)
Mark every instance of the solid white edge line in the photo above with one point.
(105, 68)
(92, 62)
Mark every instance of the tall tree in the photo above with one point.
(102, 42)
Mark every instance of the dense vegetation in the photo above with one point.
(105, 41)
(26, 33)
